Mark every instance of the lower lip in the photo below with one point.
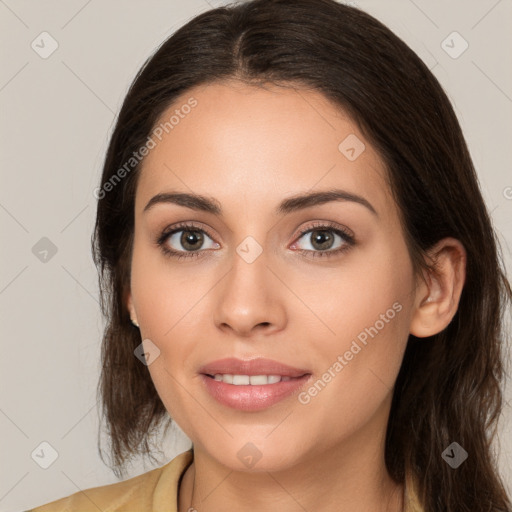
(252, 398)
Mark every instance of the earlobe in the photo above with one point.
(438, 293)
(131, 310)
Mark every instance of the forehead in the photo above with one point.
(251, 146)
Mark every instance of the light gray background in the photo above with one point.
(57, 114)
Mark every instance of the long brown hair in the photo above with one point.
(449, 386)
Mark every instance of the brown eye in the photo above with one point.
(188, 240)
(321, 239)
(191, 240)
(185, 241)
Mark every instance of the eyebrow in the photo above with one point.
(289, 205)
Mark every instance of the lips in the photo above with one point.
(226, 381)
(260, 366)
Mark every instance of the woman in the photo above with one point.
(298, 268)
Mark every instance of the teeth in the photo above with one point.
(240, 380)
(253, 380)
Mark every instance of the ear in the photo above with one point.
(131, 309)
(438, 293)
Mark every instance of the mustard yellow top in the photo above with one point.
(154, 491)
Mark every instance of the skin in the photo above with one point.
(249, 148)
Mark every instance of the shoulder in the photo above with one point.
(141, 493)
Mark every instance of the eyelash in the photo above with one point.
(348, 239)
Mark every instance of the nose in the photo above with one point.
(250, 299)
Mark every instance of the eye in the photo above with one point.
(185, 241)
(188, 241)
(324, 240)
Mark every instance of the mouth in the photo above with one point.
(252, 380)
(258, 367)
(252, 385)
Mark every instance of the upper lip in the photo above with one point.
(260, 366)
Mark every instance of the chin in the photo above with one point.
(255, 454)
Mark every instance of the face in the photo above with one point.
(325, 287)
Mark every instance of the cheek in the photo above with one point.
(163, 294)
(170, 312)
(356, 370)
(367, 297)
(368, 318)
